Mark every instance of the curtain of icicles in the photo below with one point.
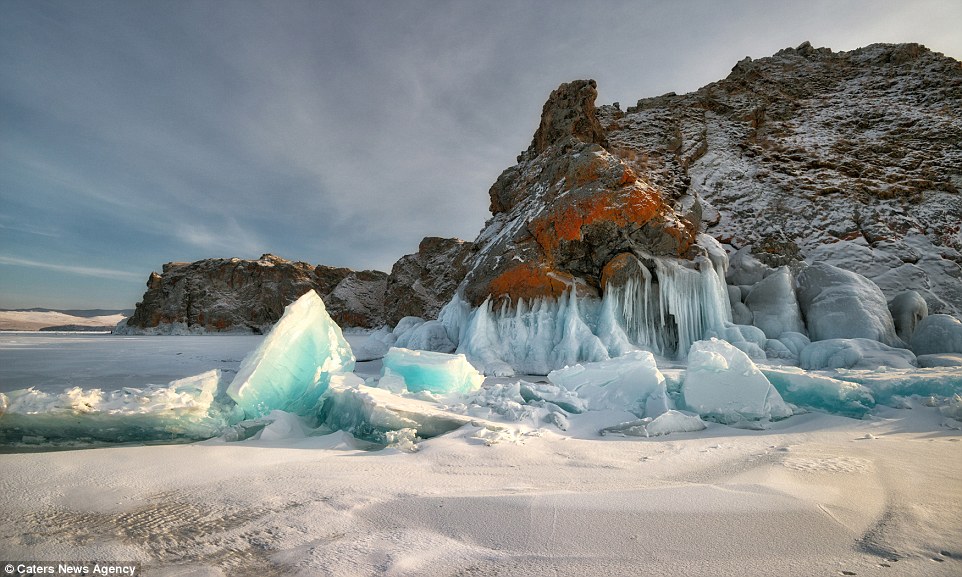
(664, 312)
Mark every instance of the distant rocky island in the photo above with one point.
(850, 159)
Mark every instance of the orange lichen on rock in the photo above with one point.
(630, 206)
(588, 172)
(526, 281)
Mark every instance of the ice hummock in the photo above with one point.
(854, 354)
(435, 372)
(371, 413)
(292, 367)
(184, 409)
(631, 382)
(723, 384)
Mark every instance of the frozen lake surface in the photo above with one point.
(55, 361)
(52, 362)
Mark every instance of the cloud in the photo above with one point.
(111, 274)
(335, 132)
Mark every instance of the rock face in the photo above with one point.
(215, 295)
(850, 158)
(568, 208)
(423, 282)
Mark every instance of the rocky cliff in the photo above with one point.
(851, 158)
(215, 295)
(567, 208)
(218, 295)
(423, 282)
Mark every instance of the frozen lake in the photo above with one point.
(54, 361)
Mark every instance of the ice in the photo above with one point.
(820, 391)
(427, 336)
(908, 309)
(535, 339)
(774, 306)
(887, 384)
(664, 424)
(404, 329)
(438, 373)
(937, 334)
(723, 384)
(854, 354)
(370, 413)
(182, 409)
(745, 269)
(839, 304)
(694, 299)
(375, 345)
(631, 382)
(577, 343)
(940, 360)
(853, 392)
(750, 340)
(794, 342)
(291, 368)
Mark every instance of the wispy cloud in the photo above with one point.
(72, 269)
(30, 229)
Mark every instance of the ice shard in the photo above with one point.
(371, 413)
(723, 384)
(181, 410)
(631, 382)
(435, 372)
(292, 367)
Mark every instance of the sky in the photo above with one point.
(134, 133)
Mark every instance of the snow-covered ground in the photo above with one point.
(814, 494)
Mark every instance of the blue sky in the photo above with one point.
(134, 133)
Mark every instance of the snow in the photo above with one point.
(723, 384)
(631, 382)
(438, 373)
(37, 320)
(839, 304)
(664, 424)
(854, 354)
(514, 479)
(292, 367)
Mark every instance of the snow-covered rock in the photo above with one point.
(723, 384)
(847, 157)
(238, 295)
(420, 284)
